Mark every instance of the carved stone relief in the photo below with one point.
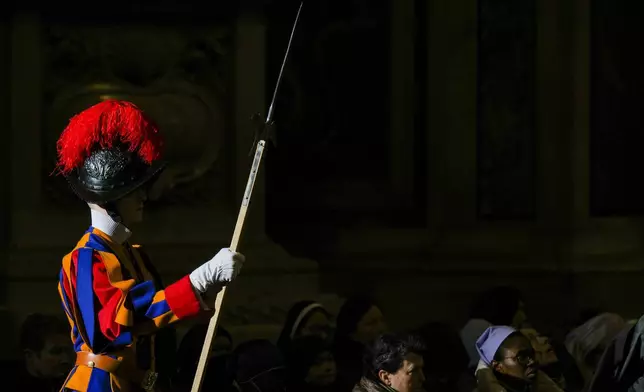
(179, 76)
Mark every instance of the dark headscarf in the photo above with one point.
(348, 352)
(299, 313)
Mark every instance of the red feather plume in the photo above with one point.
(106, 125)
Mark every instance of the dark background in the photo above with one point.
(425, 150)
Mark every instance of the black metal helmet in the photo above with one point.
(109, 150)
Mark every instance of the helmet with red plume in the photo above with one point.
(109, 150)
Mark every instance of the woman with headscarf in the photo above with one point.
(588, 342)
(358, 324)
(501, 305)
(310, 365)
(509, 363)
(305, 318)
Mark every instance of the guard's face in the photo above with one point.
(130, 207)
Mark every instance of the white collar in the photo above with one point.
(103, 222)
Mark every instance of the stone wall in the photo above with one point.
(437, 230)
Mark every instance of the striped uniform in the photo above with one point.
(112, 303)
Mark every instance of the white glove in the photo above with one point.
(220, 270)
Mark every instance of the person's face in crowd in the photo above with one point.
(317, 324)
(323, 371)
(370, 326)
(54, 360)
(518, 358)
(520, 317)
(545, 353)
(130, 207)
(410, 376)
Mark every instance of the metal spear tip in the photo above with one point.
(263, 131)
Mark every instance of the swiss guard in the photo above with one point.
(110, 154)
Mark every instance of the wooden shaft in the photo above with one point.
(241, 218)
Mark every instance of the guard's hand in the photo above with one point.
(219, 270)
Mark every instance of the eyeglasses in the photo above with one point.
(524, 357)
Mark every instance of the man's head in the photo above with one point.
(44, 340)
(508, 352)
(396, 360)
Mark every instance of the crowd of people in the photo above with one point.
(497, 350)
(120, 336)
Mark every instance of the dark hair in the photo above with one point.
(499, 355)
(292, 315)
(37, 328)
(388, 352)
(497, 305)
(350, 314)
